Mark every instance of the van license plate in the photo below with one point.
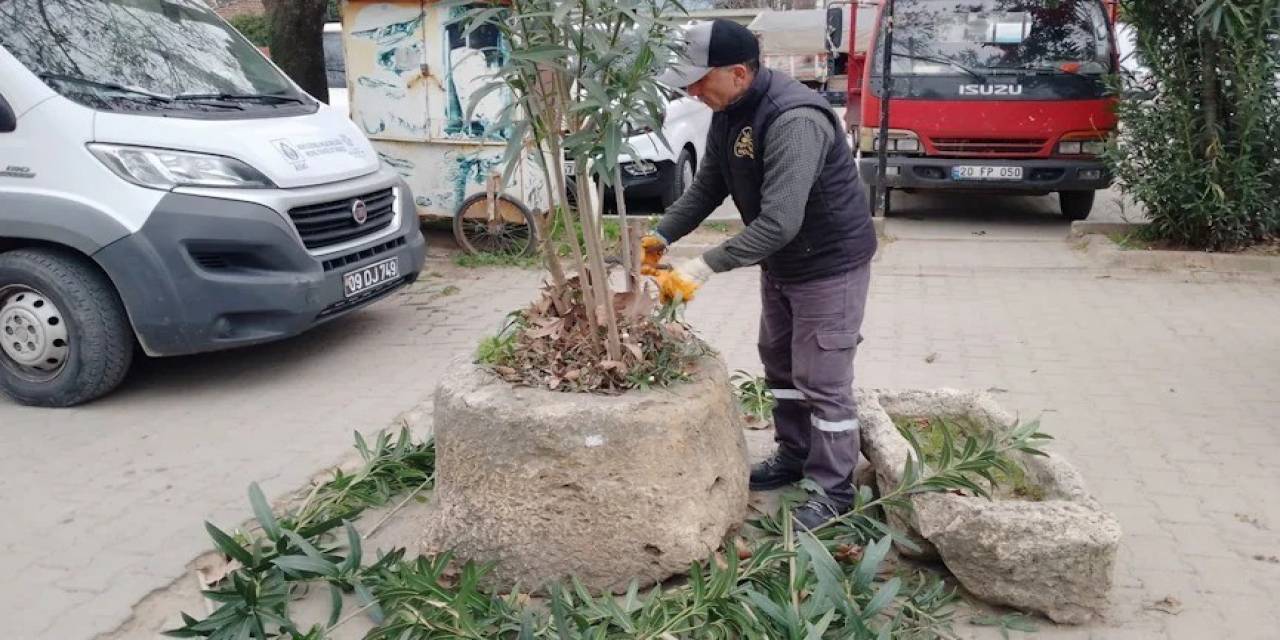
(985, 172)
(360, 280)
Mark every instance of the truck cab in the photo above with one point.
(163, 186)
(989, 95)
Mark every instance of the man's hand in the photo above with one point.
(681, 282)
(654, 247)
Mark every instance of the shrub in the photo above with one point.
(1200, 140)
(254, 27)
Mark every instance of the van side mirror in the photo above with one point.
(8, 120)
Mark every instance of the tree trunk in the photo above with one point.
(297, 42)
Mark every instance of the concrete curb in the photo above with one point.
(1100, 248)
(1082, 228)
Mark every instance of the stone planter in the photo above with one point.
(1054, 556)
(608, 489)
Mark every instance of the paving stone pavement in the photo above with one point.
(103, 504)
(1160, 387)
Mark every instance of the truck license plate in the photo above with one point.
(985, 172)
(360, 280)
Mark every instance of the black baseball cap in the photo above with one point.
(718, 43)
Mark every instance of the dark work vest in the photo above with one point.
(837, 235)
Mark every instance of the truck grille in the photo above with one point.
(331, 223)
(1011, 146)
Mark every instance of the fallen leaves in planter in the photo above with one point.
(554, 344)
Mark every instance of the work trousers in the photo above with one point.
(809, 333)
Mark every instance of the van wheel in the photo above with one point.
(1075, 205)
(64, 335)
(681, 178)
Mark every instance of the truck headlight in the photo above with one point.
(900, 141)
(166, 169)
(1082, 144)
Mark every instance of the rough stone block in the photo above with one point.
(1055, 556)
(608, 489)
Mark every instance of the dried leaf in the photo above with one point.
(1167, 604)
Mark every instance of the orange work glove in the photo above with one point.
(683, 281)
(653, 246)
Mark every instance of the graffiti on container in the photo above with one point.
(389, 34)
(389, 90)
(473, 168)
(470, 60)
(401, 60)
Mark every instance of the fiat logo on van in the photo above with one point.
(359, 212)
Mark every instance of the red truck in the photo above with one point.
(1004, 96)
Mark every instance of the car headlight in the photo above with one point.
(640, 168)
(166, 169)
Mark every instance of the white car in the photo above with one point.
(659, 171)
(656, 171)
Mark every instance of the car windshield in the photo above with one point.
(946, 37)
(143, 55)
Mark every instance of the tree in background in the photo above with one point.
(297, 37)
(1199, 143)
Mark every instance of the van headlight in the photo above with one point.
(166, 169)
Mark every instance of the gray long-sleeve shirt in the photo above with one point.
(795, 148)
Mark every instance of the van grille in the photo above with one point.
(331, 223)
(364, 254)
(961, 146)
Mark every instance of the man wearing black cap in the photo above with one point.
(776, 147)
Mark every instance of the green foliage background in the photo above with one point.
(1199, 145)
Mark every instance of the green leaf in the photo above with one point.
(352, 563)
(227, 545)
(830, 577)
(305, 564)
(887, 592)
(306, 547)
(367, 600)
(872, 556)
(262, 511)
(816, 631)
(541, 53)
(335, 604)
(559, 615)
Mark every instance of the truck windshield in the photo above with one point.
(144, 55)
(946, 37)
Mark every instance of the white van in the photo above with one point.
(162, 184)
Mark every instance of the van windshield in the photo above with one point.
(946, 37)
(145, 55)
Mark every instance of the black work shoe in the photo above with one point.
(778, 471)
(815, 512)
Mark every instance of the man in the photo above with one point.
(776, 147)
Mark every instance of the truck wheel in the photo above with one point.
(681, 178)
(64, 335)
(1075, 205)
